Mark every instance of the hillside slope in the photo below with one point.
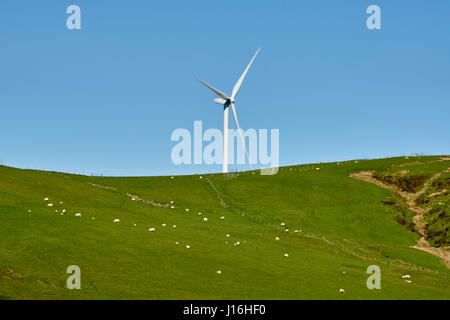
(344, 225)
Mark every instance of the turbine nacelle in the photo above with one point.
(220, 101)
(224, 101)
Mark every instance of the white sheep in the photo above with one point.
(151, 229)
(283, 224)
(188, 246)
(50, 205)
(187, 210)
(172, 207)
(228, 235)
(286, 255)
(163, 224)
(276, 238)
(341, 290)
(219, 272)
(222, 218)
(77, 214)
(406, 276)
(174, 226)
(116, 220)
(205, 219)
(177, 243)
(171, 202)
(63, 211)
(287, 230)
(199, 213)
(46, 199)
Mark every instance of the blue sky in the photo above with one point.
(106, 98)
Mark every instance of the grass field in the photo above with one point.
(344, 226)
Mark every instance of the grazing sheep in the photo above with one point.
(287, 230)
(116, 220)
(187, 210)
(92, 218)
(188, 246)
(63, 211)
(219, 272)
(406, 276)
(238, 243)
(174, 226)
(78, 214)
(408, 281)
(317, 168)
(50, 205)
(134, 224)
(133, 199)
(341, 290)
(228, 235)
(222, 218)
(56, 210)
(201, 177)
(276, 238)
(60, 202)
(151, 229)
(286, 255)
(199, 213)
(46, 199)
(172, 207)
(171, 202)
(29, 211)
(283, 224)
(177, 243)
(205, 219)
(163, 225)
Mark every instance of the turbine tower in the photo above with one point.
(227, 101)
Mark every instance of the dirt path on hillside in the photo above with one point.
(419, 221)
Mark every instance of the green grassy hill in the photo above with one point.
(344, 225)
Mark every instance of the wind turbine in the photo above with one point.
(228, 101)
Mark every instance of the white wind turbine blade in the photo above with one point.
(217, 92)
(238, 84)
(240, 133)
